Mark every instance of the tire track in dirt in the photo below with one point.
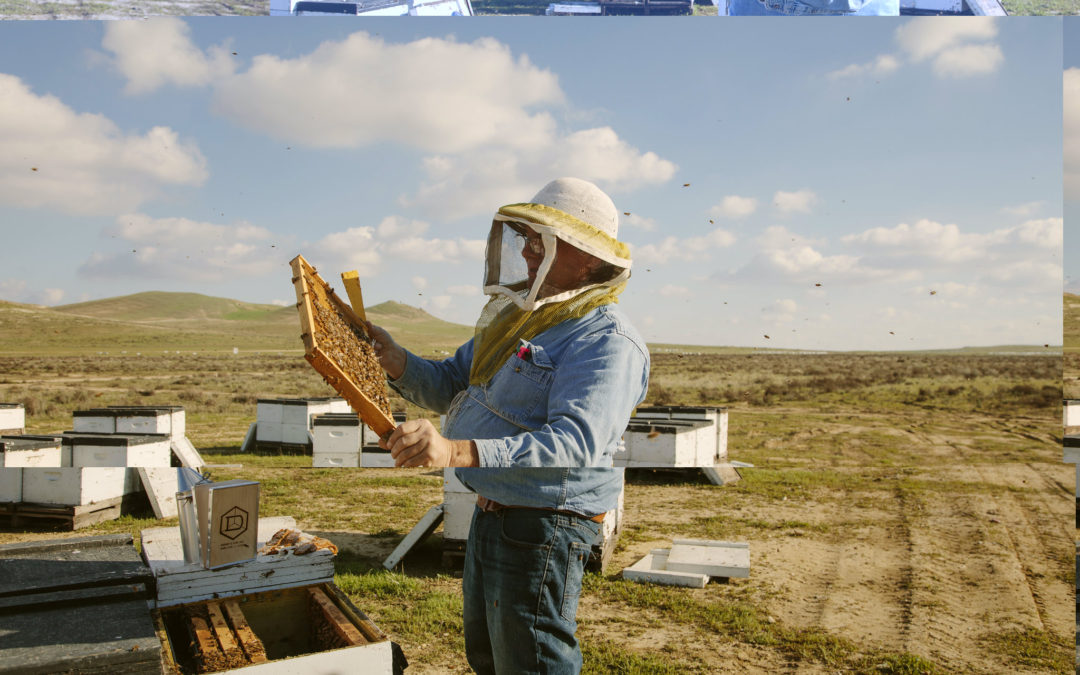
(970, 573)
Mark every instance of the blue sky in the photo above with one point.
(1071, 150)
(896, 185)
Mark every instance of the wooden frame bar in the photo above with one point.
(304, 275)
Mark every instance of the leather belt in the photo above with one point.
(490, 505)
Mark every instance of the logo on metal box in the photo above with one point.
(234, 522)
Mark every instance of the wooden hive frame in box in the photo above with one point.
(311, 289)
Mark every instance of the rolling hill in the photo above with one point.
(191, 322)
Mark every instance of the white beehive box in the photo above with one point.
(77, 486)
(375, 457)
(12, 418)
(10, 485)
(336, 440)
(452, 484)
(667, 443)
(337, 432)
(144, 421)
(94, 421)
(289, 420)
(716, 415)
(26, 451)
(132, 450)
(458, 504)
(1072, 412)
(457, 514)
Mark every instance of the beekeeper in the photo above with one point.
(546, 385)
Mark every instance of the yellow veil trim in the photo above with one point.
(496, 339)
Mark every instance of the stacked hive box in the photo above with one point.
(20, 452)
(12, 418)
(286, 423)
(84, 475)
(675, 436)
(373, 455)
(336, 440)
(1071, 412)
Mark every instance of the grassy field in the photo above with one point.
(907, 513)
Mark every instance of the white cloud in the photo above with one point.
(925, 37)
(52, 296)
(638, 222)
(924, 238)
(800, 201)
(1024, 210)
(600, 155)
(949, 44)
(1071, 132)
(479, 181)
(16, 290)
(437, 303)
(692, 248)
(734, 206)
(931, 240)
(351, 249)
(476, 109)
(1045, 233)
(420, 250)
(435, 94)
(159, 51)
(780, 311)
(1030, 275)
(82, 163)
(673, 291)
(969, 60)
(394, 238)
(783, 254)
(396, 226)
(282, 303)
(466, 290)
(883, 65)
(179, 248)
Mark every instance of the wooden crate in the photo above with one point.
(336, 345)
(313, 630)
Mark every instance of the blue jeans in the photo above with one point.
(522, 580)
(813, 8)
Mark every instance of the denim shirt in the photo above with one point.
(563, 402)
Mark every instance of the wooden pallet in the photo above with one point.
(20, 514)
(310, 288)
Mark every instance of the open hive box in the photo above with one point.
(310, 629)
(337, 346)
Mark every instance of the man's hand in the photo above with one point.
(416, 443)
(391, 356)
